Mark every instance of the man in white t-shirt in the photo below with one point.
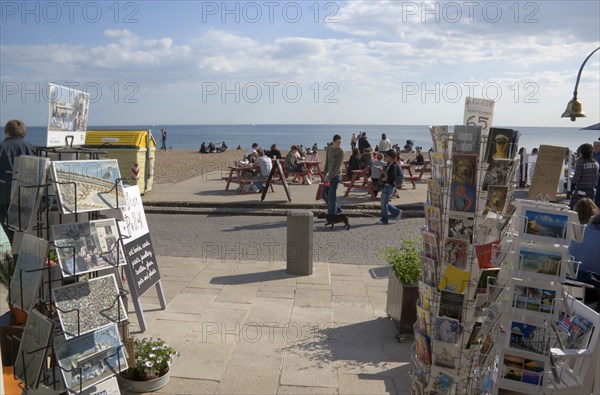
(265, 164)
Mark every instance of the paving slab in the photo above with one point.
(248, 380)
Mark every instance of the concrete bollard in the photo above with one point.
(300, 242)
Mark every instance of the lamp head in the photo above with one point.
(573, 110)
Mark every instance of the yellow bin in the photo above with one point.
(134, 149)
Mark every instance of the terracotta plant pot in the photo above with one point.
(148, 385)
(19, 316)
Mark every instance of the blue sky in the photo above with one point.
(368, 62)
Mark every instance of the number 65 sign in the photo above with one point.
(479, 112)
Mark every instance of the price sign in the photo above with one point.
(479, 112)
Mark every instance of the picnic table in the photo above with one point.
(240, 172)
(314, 164)
(355, 183)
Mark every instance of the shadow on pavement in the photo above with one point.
(249, 278)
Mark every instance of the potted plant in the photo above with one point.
(149, 367)
(7, 271)
(403, 291)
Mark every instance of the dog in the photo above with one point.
(334, 219)
(463, 171)
(496, 201)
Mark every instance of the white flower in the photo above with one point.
(149, 363)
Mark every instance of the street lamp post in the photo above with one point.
(574, 110)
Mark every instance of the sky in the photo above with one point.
(301, 62)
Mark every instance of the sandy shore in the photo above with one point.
(173, 166)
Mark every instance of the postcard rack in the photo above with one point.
(76, 314)
(466, 213)
(493, 314)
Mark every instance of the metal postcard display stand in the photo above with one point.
(49, 281)
(491, 299)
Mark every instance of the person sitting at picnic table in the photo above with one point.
(274, 152)
(419, 159)
(223, 147)
(291, 163)
(353, 163)
(203, 149)
(251, 154)
(301, 153)
(265, 165)
(366, 159)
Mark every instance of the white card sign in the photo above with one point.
(479, 112)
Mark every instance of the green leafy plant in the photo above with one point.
(405, 260)
(152, 358)
(7, 269)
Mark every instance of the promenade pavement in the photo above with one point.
(247, 327)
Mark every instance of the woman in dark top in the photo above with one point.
(585, 176)
(354, 162)
(419, 159)
(274, 152)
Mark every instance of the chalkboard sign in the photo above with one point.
(274, 170)
(142, 268)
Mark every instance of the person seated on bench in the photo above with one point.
(265, 165)
(292, 166)
(419, 159)
(353, 163)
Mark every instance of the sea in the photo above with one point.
(191, 136)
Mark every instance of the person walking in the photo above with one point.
(391, 177)
(163, 138)
(13, 145)
(334, 160)
(363, 143)
(353, 141)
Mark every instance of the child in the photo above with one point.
(391, 176)
(375, 172)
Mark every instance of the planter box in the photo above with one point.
(401, 303)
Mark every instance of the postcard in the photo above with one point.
(499, 172)
(464, 168)
(88, 246)
(425, 296)
(451, 304)
(429, 270)
(535, 298)
(540, 261)
(487, 278)
(447, 330)
(438, 168)
(88, 185)
(532, 336)
(460, 226)
(495, 201)
(106, 387)
(68, 113)
(434, 194)
(87, 305)
(439, 135)
(33, 348)
(456, 252)
(431, 245)
(433, 220)
(466, 138)
(441, 382)
(27, 191)
(90, 358)
(501, 144)
(463, 197)
(424, 321)
(522, 369)
(28, 272)
(454, 279)
(423, 344)
(445, 355)
(545, 224)
(486, 254)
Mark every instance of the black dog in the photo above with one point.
(334, 219)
